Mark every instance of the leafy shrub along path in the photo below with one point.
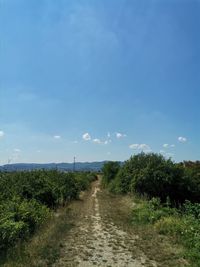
(28, 201)
(102, 235)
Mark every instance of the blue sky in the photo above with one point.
(99, 79)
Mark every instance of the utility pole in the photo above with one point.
(74, 165)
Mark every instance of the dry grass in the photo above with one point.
(44, 248)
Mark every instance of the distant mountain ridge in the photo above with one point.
(79, 166)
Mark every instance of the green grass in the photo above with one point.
(45, 246)
(182, 225)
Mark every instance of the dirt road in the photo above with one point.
(101, 236)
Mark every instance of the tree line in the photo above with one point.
(155, 176)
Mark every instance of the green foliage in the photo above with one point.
(83, 183)
(151, 212)
(110, 170)
(174, 193)
(187, 230)
(26, 199)
(19, 218)
(192, 209)
(154, 176)
(182, 224)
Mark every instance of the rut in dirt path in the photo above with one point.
(96, 240)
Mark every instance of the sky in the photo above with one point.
(99, 80)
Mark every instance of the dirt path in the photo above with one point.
(100, 237)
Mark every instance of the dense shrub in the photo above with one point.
(192, 209)
(26, 199)
(110, 170)
(82, 183)
(154, 176)
(172, 193)
(19, 218)
(182, 224)
(186, 228)
(151, 211)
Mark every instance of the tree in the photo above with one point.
(110, 170)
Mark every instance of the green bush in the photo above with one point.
(170, 225)
(150, 212)
(110, 170)
(154, 176)
(11, 231)
(187, 230)
(192, 209)
(27, 197)
(174, 190)
(20, 218)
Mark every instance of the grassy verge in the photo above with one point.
(183, 226)
(45, 246)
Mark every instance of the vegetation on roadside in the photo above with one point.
(28, 199)
(168, 197)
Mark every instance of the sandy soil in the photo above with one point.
(95, 239)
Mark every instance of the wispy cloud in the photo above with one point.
(57, 137)
(143, 147)
(168, 145)
(86, 137)
(17, 150)
(120, 135)
(97, 141)
(166, 154)
(2, 134)
(182, 139)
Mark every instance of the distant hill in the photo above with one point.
(80, 166)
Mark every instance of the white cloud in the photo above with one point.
(86, 137)
(134, 146)
(57, 137)
(17, 150)
(162, 151)
(2, 134)
(168, 146)
(120, 135)
(182, 139)
(75, 142)
(166, 154)
(143, 147)
(108, 135)
(96, 141)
